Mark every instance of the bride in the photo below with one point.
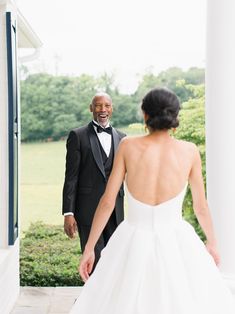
(154, 263)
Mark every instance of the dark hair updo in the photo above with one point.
(162, 107)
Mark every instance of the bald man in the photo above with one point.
(89, 160)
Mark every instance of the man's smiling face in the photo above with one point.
(102, 109)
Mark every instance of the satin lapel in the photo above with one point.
(95, 148)
(116, 140)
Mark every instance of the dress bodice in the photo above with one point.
(151, 216)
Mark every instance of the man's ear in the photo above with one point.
(91, 108)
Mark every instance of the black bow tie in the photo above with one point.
(100, 129)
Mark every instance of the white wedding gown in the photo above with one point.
(155, 264)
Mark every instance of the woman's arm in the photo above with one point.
(104, 210)
(200, 205)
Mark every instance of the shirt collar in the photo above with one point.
(96, 123)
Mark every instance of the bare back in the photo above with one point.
(157, 167)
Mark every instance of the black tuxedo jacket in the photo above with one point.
(85, 178)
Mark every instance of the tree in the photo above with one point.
(169, 79)
(62, 124)
(52, 105)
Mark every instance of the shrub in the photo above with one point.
(192, 128)
(48, 257)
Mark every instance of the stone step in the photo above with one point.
(46, 300)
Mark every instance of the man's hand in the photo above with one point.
(70, 226)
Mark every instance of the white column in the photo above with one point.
(220, 128)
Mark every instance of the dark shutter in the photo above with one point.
(13, 126)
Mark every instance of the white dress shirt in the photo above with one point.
(104, 138)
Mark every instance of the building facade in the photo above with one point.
(15, 33)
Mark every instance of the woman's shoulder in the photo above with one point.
(131, 139)
(187, 144)
(188, 147)
(130, 142)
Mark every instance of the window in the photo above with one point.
(13, 127)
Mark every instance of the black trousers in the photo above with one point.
(84, 232)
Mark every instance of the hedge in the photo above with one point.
(48, 257)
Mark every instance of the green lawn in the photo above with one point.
(42, 176)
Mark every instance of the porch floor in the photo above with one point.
(43, 300)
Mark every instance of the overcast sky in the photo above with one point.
(126, 37)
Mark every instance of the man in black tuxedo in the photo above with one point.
(89, 159)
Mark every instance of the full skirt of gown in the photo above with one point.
(155, 263)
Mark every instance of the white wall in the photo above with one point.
(9, 277)
(3, 131)
(9, 255)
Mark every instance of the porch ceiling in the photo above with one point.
(27, 38)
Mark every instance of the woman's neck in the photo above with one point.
(159, 133)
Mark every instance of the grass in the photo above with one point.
(42, 175)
